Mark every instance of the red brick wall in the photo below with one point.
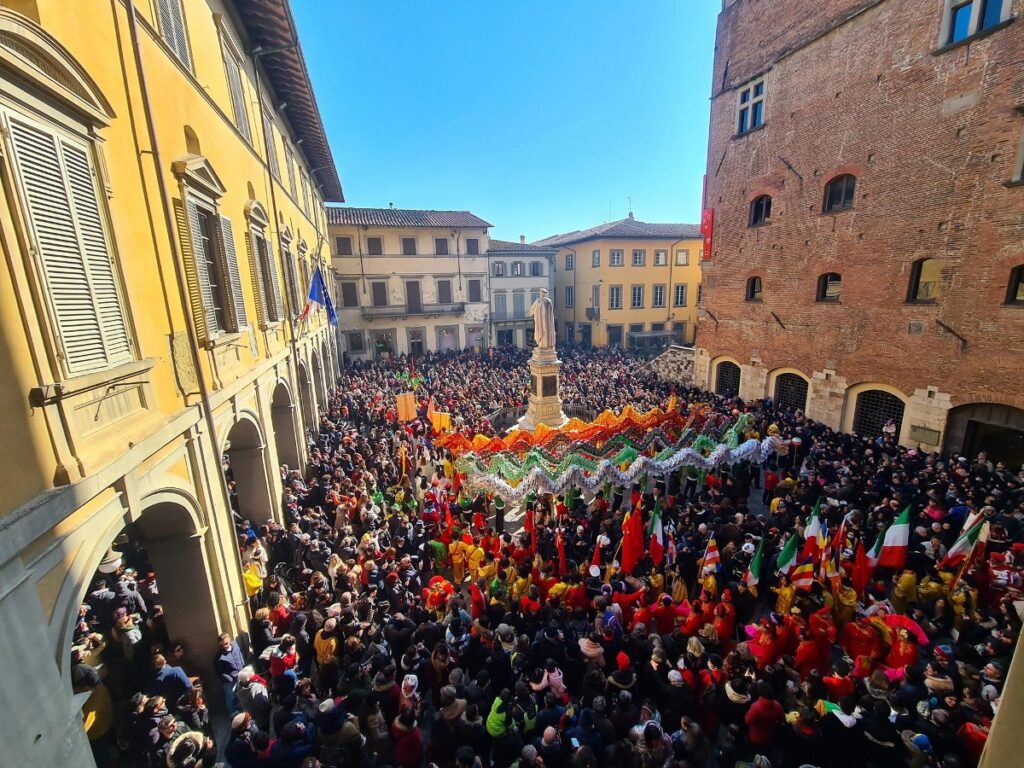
(932, 139)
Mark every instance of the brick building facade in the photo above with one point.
(865, 170)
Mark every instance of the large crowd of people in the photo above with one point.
(399, 619)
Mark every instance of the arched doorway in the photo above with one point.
(151, 588)
(996, 429)
(283, 417)
(307, 400)
(873, 410)
(318, 377)
(790, 391)
(727, 379)
(245, 469)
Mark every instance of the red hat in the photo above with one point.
(622, 660)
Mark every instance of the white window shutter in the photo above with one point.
(230, 258)
(172, 27)
(208, 329)
(98, 259)
(63, 255)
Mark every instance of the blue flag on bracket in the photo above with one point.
(319, 297)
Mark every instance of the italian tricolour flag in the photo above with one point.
(787, 557)
(657, 534)
(753, 574)
(894, 546)
(964, 545)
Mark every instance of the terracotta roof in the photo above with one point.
(403, 217)
(271, 27)
(508, 246)
(626, 229)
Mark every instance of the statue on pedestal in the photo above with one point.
(543, 313)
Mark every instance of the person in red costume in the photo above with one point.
(695, 621)
(862, 644)
(823, 629)
(724, 625)
(795, 625)
(903, 653)
(765, 646)
(839, 683)
(806, 654)
(665, 615)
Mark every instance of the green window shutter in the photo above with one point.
(227, 238)
(203, 264)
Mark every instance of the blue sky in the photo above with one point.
(540, 116)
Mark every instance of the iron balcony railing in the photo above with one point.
(404, 310)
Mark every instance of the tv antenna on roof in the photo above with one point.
(629, 199)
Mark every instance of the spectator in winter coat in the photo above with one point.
(253, 697)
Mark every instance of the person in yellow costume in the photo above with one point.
(786, 592)
(965, 603)
(520, 585)
(846, 605)
(709, 583)
(457, 549)
(489, 569)
(558, 589)
(904, 593)
(656, 581)
(931, 589)
(474, 558)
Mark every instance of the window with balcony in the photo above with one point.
(375, 246)
(444, 291)
(379, 293)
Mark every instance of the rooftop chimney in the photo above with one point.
(522, 239)
(391, 205)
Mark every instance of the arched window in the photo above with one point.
(875, 409)
(791, 391)
(829, 285)
(1015, 290)
(925, 286)
(753, 292)
(839, 193)
(760, 211)
(727, 379)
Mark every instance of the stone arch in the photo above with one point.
(306, 398)
(782, 388)
(245, 448)
(719, 384)
(26, 48)
(318, 375)
(172, 530)
(993, 427)
(855, 401)
(285, 421)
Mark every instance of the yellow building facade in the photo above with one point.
(163, 167)
(629, 284)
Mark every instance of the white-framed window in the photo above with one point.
(231, 50)
(683, 257)
(639, 257)
(750, 108)
(964, 18)
(615, 258)
(595, 257)
(570, 297)
(660, 258)
(570, 262)
(614, 297)
(499, 269)
(73, 254)
(658, 296)
(679, 295)
(172, 29)
(636, 300)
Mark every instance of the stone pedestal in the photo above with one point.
(545, 406)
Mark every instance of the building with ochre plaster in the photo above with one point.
(163, 168)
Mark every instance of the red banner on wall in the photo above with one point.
(707, 228)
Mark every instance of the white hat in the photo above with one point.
(595, 571)
(748, 548)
